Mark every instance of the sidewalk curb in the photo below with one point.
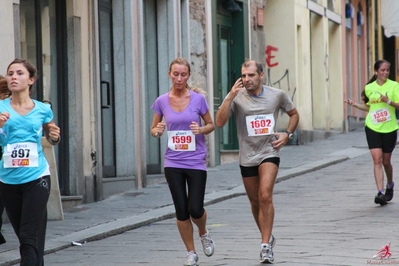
(310, 167)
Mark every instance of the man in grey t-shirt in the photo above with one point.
(256, 109)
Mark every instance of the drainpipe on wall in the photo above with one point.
(95, 185)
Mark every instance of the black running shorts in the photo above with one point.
(248, 171)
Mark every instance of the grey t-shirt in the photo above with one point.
(254, 149)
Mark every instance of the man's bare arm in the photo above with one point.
(223, 114)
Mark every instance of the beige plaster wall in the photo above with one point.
(81, 9)
(319, 67)
(257, 33)
(198, 44)
(7, 48)
(335, 79)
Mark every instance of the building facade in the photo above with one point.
(102, 63)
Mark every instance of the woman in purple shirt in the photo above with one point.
(183, 108)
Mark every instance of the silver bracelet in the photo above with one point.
(389, 102)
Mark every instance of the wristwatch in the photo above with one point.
(290, 135)
(156, 135)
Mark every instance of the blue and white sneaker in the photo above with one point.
(266, 254)
(272, 241)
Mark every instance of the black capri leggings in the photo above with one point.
(191, 203)
(26, 207)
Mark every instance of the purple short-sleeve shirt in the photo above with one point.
(181, 121)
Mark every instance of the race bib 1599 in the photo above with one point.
(181, 140)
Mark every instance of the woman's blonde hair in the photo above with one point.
(184, 62)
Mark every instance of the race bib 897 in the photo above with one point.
(23, 154)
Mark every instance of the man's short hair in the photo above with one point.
(248, 62)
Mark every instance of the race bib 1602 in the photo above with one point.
(260, 125)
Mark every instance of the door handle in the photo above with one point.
(108, 102)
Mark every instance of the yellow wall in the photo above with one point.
(303, 63)
(319, 64)
(309, 50)
(336, 97)
(280, 67)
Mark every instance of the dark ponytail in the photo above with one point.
(373, 78)
(364, 97)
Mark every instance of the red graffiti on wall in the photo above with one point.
(269, 56)
(284, 81)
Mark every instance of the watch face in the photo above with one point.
(290, 135)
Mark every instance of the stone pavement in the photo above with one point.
(324, 217)
(136, 208)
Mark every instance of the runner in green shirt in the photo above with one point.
(381, 98)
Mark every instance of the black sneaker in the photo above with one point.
(389, 193)
(380, 199)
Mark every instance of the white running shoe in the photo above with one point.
(192, 259)
(272, 241)
(266, 254)
(208, 246)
